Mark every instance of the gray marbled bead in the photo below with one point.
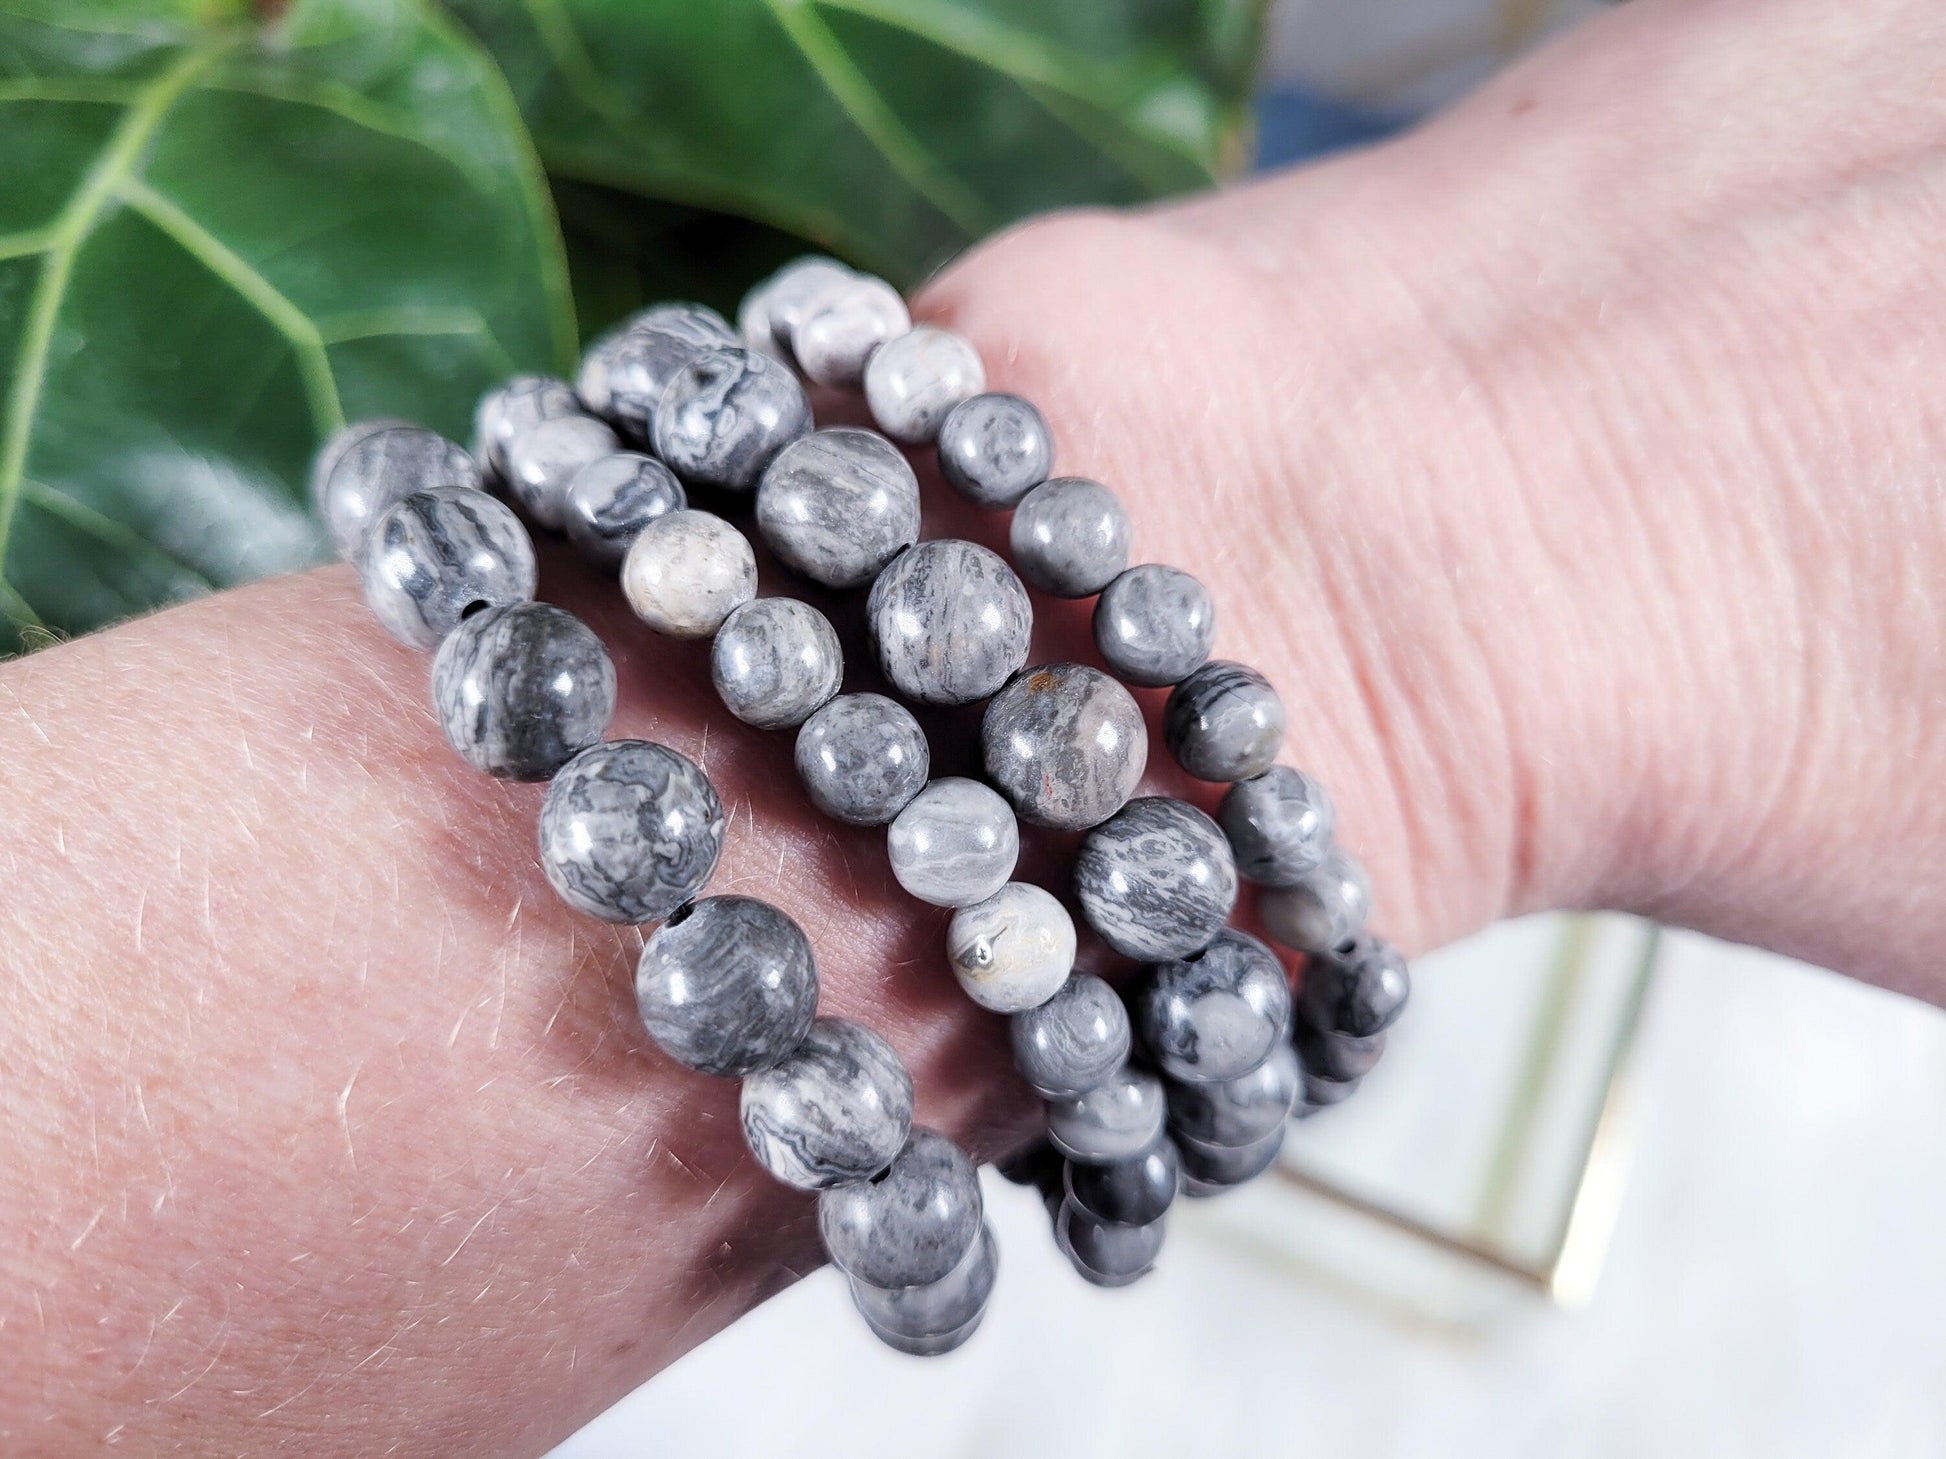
(994, 449)
(1224, 722)
(1336, 1056)
(1154, 625)
(687, 571)
(954, 844)
(1012, 951)
(727, 985)
(1128, 1192)
(629, 831)
(927, 1321)
(1107, 1255)
(1116, 1120)
(610, 501)
(376, 468)
(1156, 880)
(1066, 744)
(775, 661)
(837, 505)
(522, 687)
(333, 451)
(726, 414)
(1322, 908)
(1072, 1043)
(1239, 1111)
(544, 458)
(623, 377)
(912, 1224)
(1070, 537)
(770, 312)
(1210, 1170)
(950, 622)
(913, 382)
(862, 758)
(1217, 1014)
(519, 405)
(836, 335)
(1280, 825)
(837, 1108)
(1359, 988)
(440, 554)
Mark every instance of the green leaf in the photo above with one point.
(218, 241)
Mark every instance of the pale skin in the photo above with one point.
(1576, 464)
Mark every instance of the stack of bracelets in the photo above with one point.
(1189, 1084)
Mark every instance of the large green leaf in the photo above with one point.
(217, 242)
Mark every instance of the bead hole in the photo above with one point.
(880, 1178)
(680, 915)
(478, 605)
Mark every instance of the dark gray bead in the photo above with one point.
(1154, 625)
(1156, 879)
(611, 500)
(954, 844)
(835, 336)
(522, 687)
(624, 376)
(775, 661)
(1322, 908)
(1341, 1057)
(950, 622)
(1066, 744)
(1210, 1170)
(441, 554)
(1224, 722)
(1321, 1093)
(836, 1108)
(1035, 1164)
(630, 830)
(1104, 1254)
(838, 505)
(543, 459)
(687, 571)
(994, 449)
(1359, 987)
(1280, 825)
(1014, 950)
(1074, 1042)
(1129, 1192)
(1070, 537)
(1238, 1112)
(910, 1225)
(1216, 1014)
(519, 405)
(862, 758)
(727, 985)
(913, 382)
(726, 415)
(1116, 1120)
(376, 468)
(925, 1322)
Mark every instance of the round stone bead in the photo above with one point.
(1032, 1165)
(379, 468)
(1154, 625)
(687, 571)
(624, 376)
(862, 758)
(842, 328)
(1072, 1043)
(1279, 824)
(950, 622)
(727, 985)
(1066, 744)
(521, 688)
(954, 844)
(837, 505)
(1322, 908)
(1238, 1112)
(1321, 1093)
(1156, 879)
(1106, 1255)
(910, 1225)
(440, 554)
(1337, 1056)
(1358, 988)
(543, 459)
(611, 499)
(629, 831)
(775, 661)
(1012, 951)
(333, 451)
(836, 1108)
(1129, 1192)
(511, 409)
(1115, 1121)
(913, 382)
(1070, 537)
(927, 1321)
(994, 449)
(772, 310)
(1210, 1170)
(1216, 1014)
(1224, 722)
(726, 415)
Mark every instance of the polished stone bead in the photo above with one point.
(333, 451)
(924, 1322)
(1070, 537)
(1012, 951)
(1128, 1192)
(1322, 908)
(1104, 1254)
(862, 758)
(727, 985)
(610, 501)
(909, 1225)
(630, 830)
(839, 330)
(1216, 1014)
(1031, 1165)
(1321, 1093)
(775, 661)
(543, 459)
(994, 449)
(687, 571)
(509, 410)
(1066, 744)
(1156, 879)
(1154, 625)
(1072, 1043)
(522, 687)
(913, 382)
(1210, 1170)
(950, 622)
(837, 1108)
(442, 554)
(1241, 1111)
(771, 311)
(1114, 1121)
(1224, 722)
(376, 468)
(726, 415)
(1359, 988)
(624, 376)
(837, 505)
(1280, 825)
(1336, 1056)
(954, 844)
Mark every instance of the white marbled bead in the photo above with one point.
(1014, 950)
(837, 1108)
(611, 499)
(954, 844)
(839, 504)
(836, 335)
(375, 465)
(519, 405)
(442, 554)
(687, 571)
(1116, 1120)
(1323, 907)
(544, 458)
(726, 414)
(913, 382)
(1070, 537)
(775, 661)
